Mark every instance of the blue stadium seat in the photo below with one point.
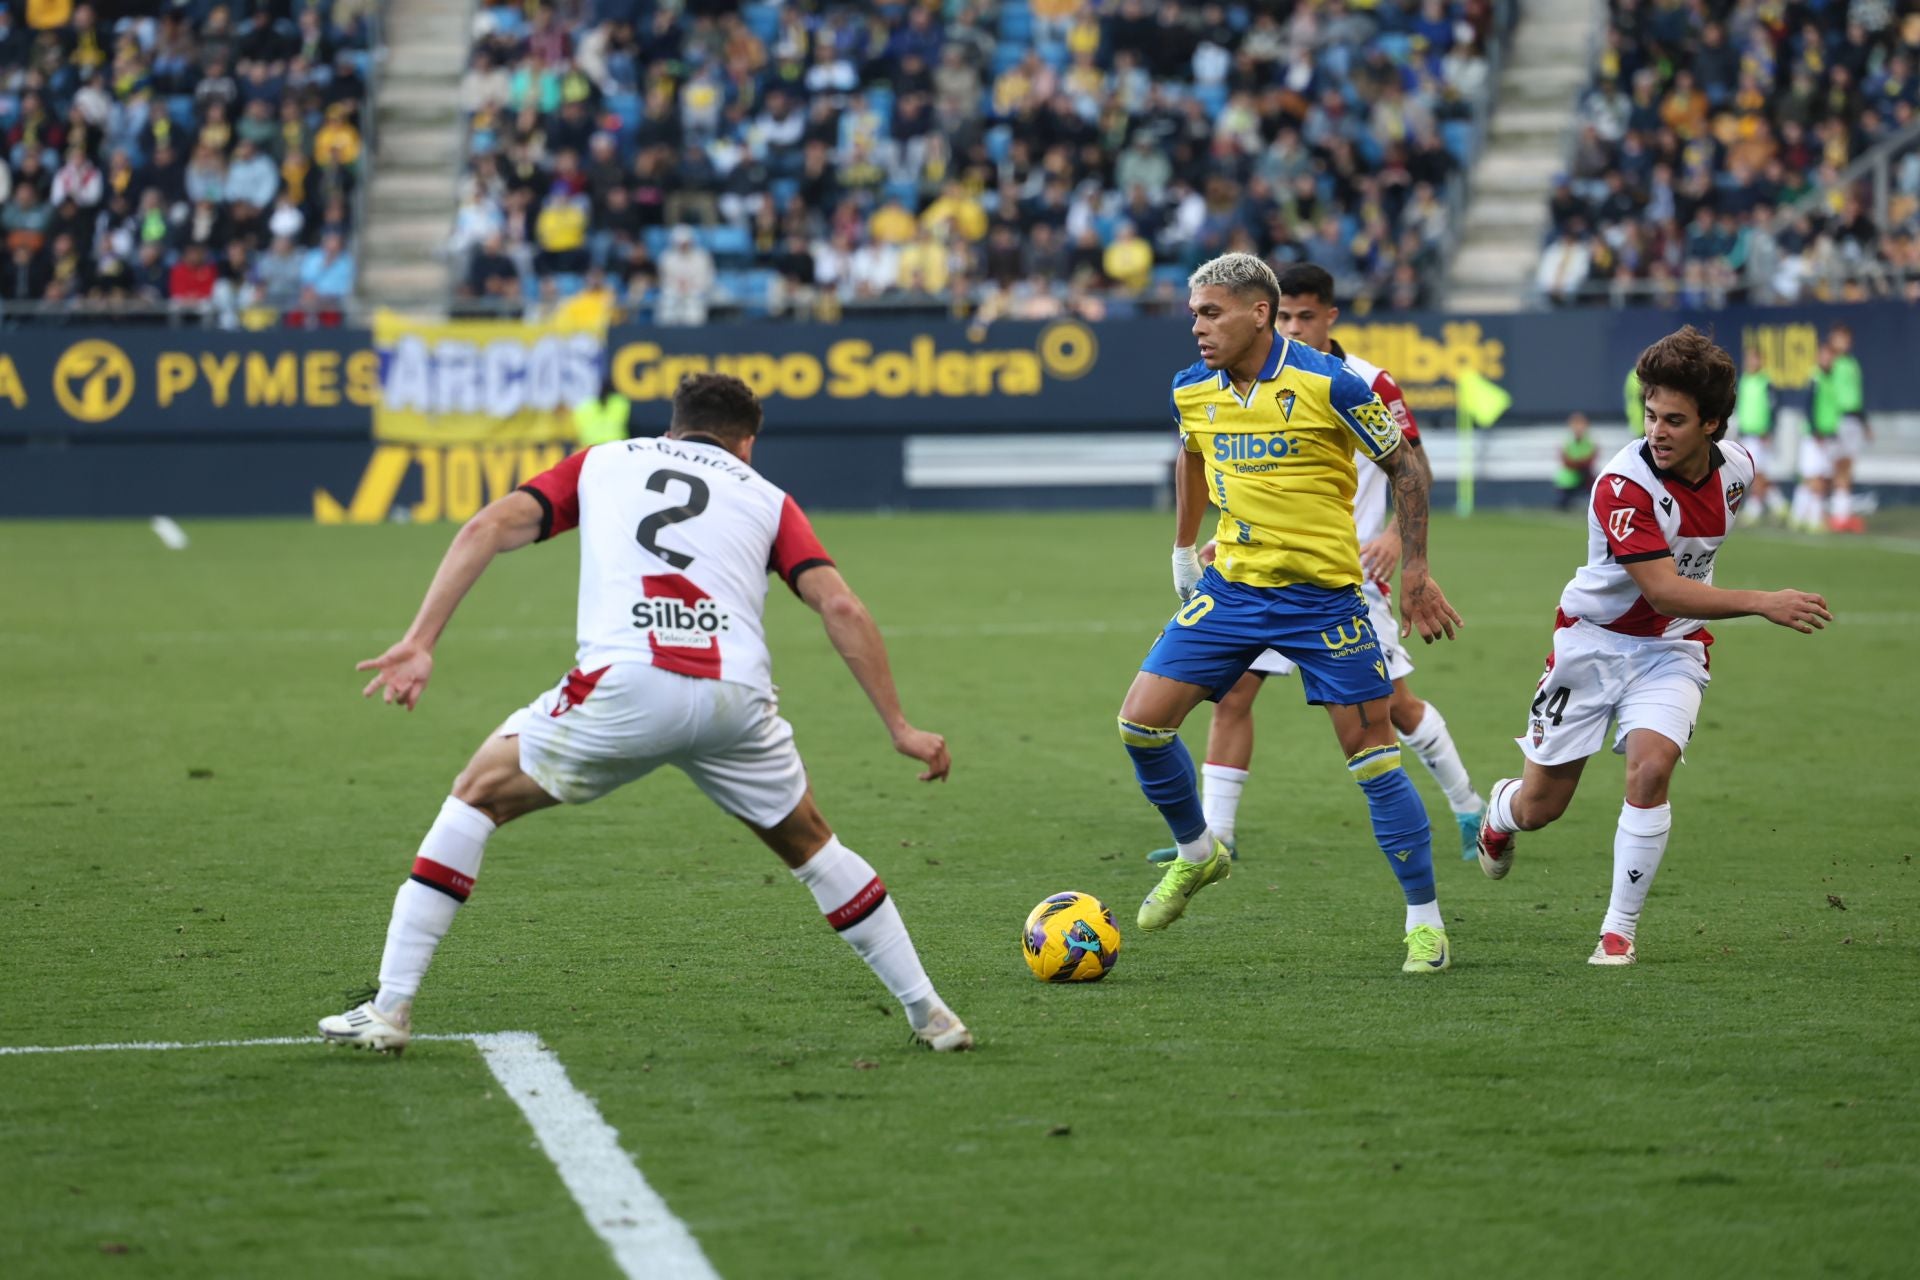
(727, 241)
(180, 109)
(999, 139)
(1006, 56)
(1211, 96)
(907, 193)
(566, 284)
(762, 19)
(656, 238)
(1016, 21)
(1458, 137)
(783, 190)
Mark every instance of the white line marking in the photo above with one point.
(178, 1044)
(646, 1238)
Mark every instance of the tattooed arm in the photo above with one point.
(1423, 606)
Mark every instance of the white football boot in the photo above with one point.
(944, 1033)
(1614, 950)
(365, 1027)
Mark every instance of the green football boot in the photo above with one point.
(1169, 898)
(1427, 950)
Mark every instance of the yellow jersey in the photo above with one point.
(1280, 463)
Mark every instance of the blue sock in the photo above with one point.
(1166, 774)
(1399, 820)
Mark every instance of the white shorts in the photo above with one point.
(1816, 456)
(596, 732)
(1761, 447)
(1852, 437)
(1386, 631)
(1596, 676)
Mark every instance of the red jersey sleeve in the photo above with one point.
(1625, 512)
(1396, 401)
(557, 489)
(796, 548)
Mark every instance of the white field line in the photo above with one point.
(645, 1236)
(647, 1240)
(1145, 625)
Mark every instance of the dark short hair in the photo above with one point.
(1304, 280)
(1691, 363)
(715, 404)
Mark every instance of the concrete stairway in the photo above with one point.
(416, 166)
(1547, 68)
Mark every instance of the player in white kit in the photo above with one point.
(1306, 314)
(1628, 643)
(677, 537)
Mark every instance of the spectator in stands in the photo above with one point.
(190, 283)
(278, 274)
(327, 272)
(686, 280)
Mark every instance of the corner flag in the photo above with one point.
(1478, 402)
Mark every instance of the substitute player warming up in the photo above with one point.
(678, 535)
(1628, 643)
(1269, 428)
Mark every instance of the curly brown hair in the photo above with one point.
(715, 404)
(1691, 363)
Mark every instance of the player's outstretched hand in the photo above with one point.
(403, 670)
(1424, 608)
(1801, 610)
(1380, 556)
(930, 749)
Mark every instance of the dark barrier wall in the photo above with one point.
(75, 402)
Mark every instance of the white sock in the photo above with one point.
(1842, 503)
(1220, 797)
(443, 876)
(1806, 505)
(1198, 849)
(1639, 842)
(1426, 913)
(1434, 745)
(1500, 805)
(855, 903)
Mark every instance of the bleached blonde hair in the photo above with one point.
(1239, 274)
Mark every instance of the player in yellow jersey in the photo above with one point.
(1269, 429)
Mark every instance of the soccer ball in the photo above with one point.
(1071, 937)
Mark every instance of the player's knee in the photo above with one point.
(1647, 782)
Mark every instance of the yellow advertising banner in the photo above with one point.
(481, 382)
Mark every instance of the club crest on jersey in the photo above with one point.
(1284, 398)
(1211, 410)
(1539, 732)
(1736, 492)
(1620, 523)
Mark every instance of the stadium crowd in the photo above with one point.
(192, 158)
(1708, 161)
(1027, 158)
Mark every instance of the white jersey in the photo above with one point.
(1639, 512)
(1370, 487)
(677, 537)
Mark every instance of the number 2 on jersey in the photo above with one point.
(647, 535)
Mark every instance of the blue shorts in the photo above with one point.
(1225, 625)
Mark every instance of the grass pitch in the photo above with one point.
(201, 828)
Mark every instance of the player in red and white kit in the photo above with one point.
(1306, 314)
(1629, 644)
(677, 537)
